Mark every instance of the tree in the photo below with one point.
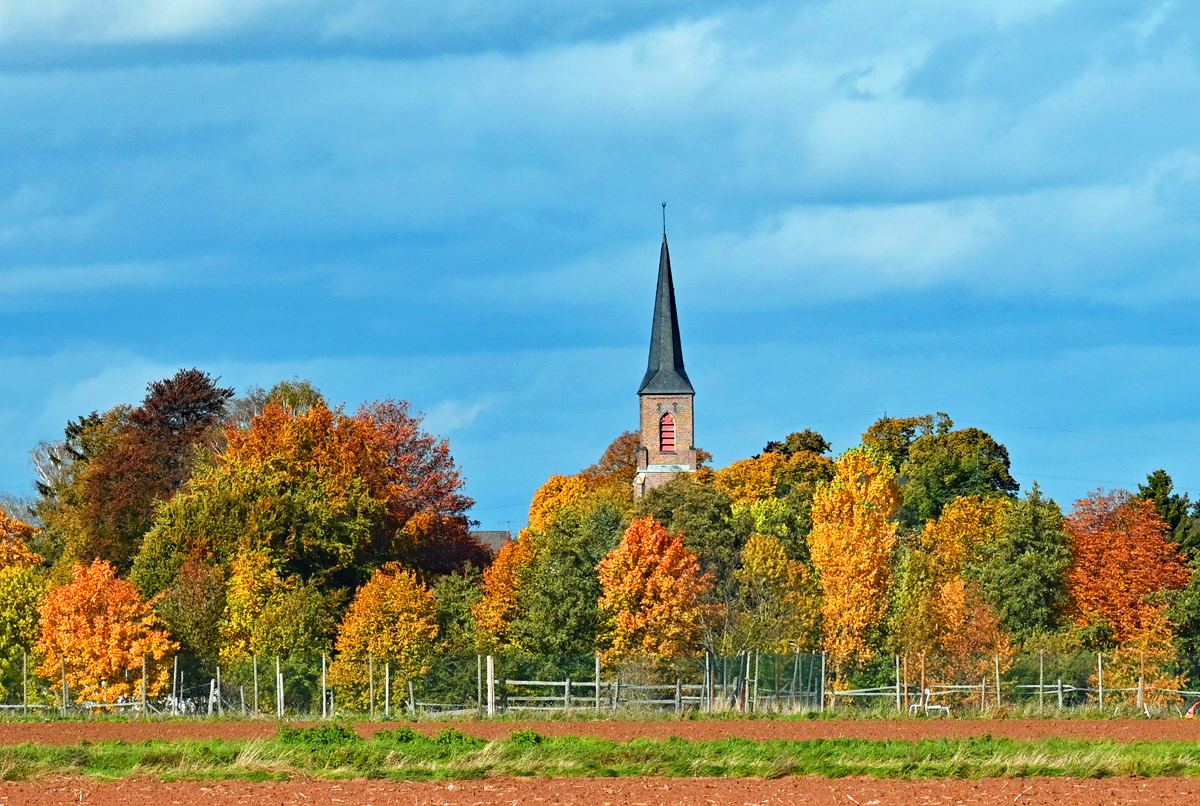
(97, 631)
(393, 619)
(852, 542)
(15, 537)
(779, 609)
(1121, 557)
(806, 441)
(192, 608)
(1023, 575)
(501, 588)
(943, 466)
(457, 595)
(617, 465)
(151, 459)
(891, 437)
(267, 613)
(652, 588)
(22, 591)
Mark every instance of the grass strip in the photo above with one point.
(335, 751)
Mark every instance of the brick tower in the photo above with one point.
(665, 396)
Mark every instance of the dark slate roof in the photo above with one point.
(665, 374)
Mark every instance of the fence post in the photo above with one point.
(567, 695)
(145, 707)
(491, 686)
(242, 696)
(254, 658)
(25, 683)
(371, 684)
(324, 695)
(997, 679)
(678, 696)
(278, 690)
(220, 705)
(1041, 680)
(898, 706)
(1060, 694)
(822, 681)
(983, 694)
(1100, 677)
(412, 697)
(387, 689)
(1141, 681)
(66, 698)
(616, 692)
(757, 659)
(479, 682)
(212, 684)
(597, 682)
(175, 687)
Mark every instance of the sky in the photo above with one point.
(982, 207)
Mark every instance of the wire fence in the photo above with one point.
(309, 686)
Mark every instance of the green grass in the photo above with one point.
(335, 751)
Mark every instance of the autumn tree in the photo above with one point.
(97, 631)
(15, 538)
(1122, 556)
(22, 589)
(852, 542)
(502, 582)
(779, 604)
(393, 619)
(269, 613)
(652, 588)
(892, 437)
(192, 608)
(151, 459)
(617, 465)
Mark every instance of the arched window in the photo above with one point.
(666, 433)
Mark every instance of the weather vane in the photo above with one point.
(664, 219)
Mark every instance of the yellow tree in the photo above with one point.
(268, 614)
(96, 631)
(393, 620)
(652, 587)
(14, 543)
(780, 598)
(852, 542)
(931, 596)
(558, 493)
(501, 591)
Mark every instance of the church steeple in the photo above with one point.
(665, 374)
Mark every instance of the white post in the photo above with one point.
(997, 680)
(899, 707)
(479, 682)
(597, 682)
(175, 687)
(145, 708)
(822, 692)
(220, 705)
(278, 689)
(1100, 677)
(324, 701)
(254, 659)
(1041, 680)
(371, 684)
(491, 686)
(387, 689)
(24, 682)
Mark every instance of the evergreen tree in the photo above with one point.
(1024, 576)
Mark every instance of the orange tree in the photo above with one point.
(15, 537)
(1121, 556)
(502, 581)
(96, 631)
(852, 542)
(652, 586)
(393, 619)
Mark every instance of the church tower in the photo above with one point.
(667, 443)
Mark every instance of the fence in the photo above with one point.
(304, 685)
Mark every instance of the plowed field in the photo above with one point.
(1092, 729)
(613, 792)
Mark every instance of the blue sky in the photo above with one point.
(987, 208)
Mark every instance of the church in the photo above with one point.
(665, 397)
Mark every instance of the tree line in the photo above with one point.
(274, 524)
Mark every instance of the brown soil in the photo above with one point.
(1119, 730)
(613, 792)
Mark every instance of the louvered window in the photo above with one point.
(666, 431)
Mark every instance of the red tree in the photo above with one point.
(1121, 555)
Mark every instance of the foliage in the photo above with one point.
(943, 466)
(97, 632)
(501, 585)
(779, 609)
(1121, 557)
(891, 437)
(268, 614)
(852, 542)
(15, 537)
(556, 495)
(1149, 656)
(652, 588)
(150, 460)
(192, 608)
(1023, 575)
(457, 595)
(617, 465)
(393, 619)
(22, 591)
(806, 441)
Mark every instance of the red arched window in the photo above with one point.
(666, 433)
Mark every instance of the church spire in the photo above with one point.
(665, 374)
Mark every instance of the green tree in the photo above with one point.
(22, 591)
(892, 437)
(560, 591)
(457, 594)
(943, 466)
(1023, 577)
